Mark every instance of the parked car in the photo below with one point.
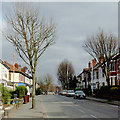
(70, 93)
(59, 92)
(63, 92)
(51, 93)
(79, 95)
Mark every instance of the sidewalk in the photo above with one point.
(1, 114)
(112, 102)
(25, 110)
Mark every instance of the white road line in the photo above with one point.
(93, 116)
(80, 110)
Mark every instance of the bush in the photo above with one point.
(21, 91)
(108, 93)
(88, 90)
(6, 95)
(38, 91)
(12, 93)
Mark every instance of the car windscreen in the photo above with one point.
(70, 91)
(79, 92)
(64, 90)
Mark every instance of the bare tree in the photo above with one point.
(102, 47)
(41, 83)
(48, 80)
(64, 73)
(31, 36)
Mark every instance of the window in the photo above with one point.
(103, 84)
(113, 81)
(118, 79)
(93, 75)
(113, 66)
(118, 64)
(97, 74)
(103, 73)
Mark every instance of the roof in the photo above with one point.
(116, 56)
(87, 69)
(16, 70)
(11, 66)
(4, 64)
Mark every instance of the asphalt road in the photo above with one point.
(57, 106)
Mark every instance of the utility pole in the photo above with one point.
(67, 77)
(13, 70)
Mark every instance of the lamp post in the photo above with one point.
(67, 78)
(13, 70)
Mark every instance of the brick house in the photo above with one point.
(84, 77)
(115, 70)
(94, 76)
(4, 73)
(19, 76)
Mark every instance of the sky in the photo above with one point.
(75, 22)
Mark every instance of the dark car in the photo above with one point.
(79, 95)
(70, 93)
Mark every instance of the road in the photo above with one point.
(56, 106)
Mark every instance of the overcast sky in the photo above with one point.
(75, 22)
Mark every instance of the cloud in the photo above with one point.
(75, 22)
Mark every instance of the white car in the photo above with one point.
(63, 92)
(79, 95)
(70, 93)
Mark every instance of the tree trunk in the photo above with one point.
(108, 74)
(33, 92)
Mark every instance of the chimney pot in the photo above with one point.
(94, 62)
(89, 64)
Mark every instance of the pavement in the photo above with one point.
(1, 114)
(57, 106)
(25, 110)
(112, 102)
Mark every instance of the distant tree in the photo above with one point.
(51, 88)
(73, 83)
(30, 36)
(102, 47)
(41, 83)
(64, 73)
(48, 80)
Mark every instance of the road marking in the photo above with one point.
(93, 116)
(63, 102)
(80, 110)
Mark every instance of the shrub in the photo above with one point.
(87, 91)
(108, 93)
(21, 91)
(12, 93)
(38, 91)
(6, 95)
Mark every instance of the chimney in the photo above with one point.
(24, 69)
(94, 62)
(101, 60)
(16, 65)
(89, 64)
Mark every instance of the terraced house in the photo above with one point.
(19, 76)
(4, 74)
(94, 76)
